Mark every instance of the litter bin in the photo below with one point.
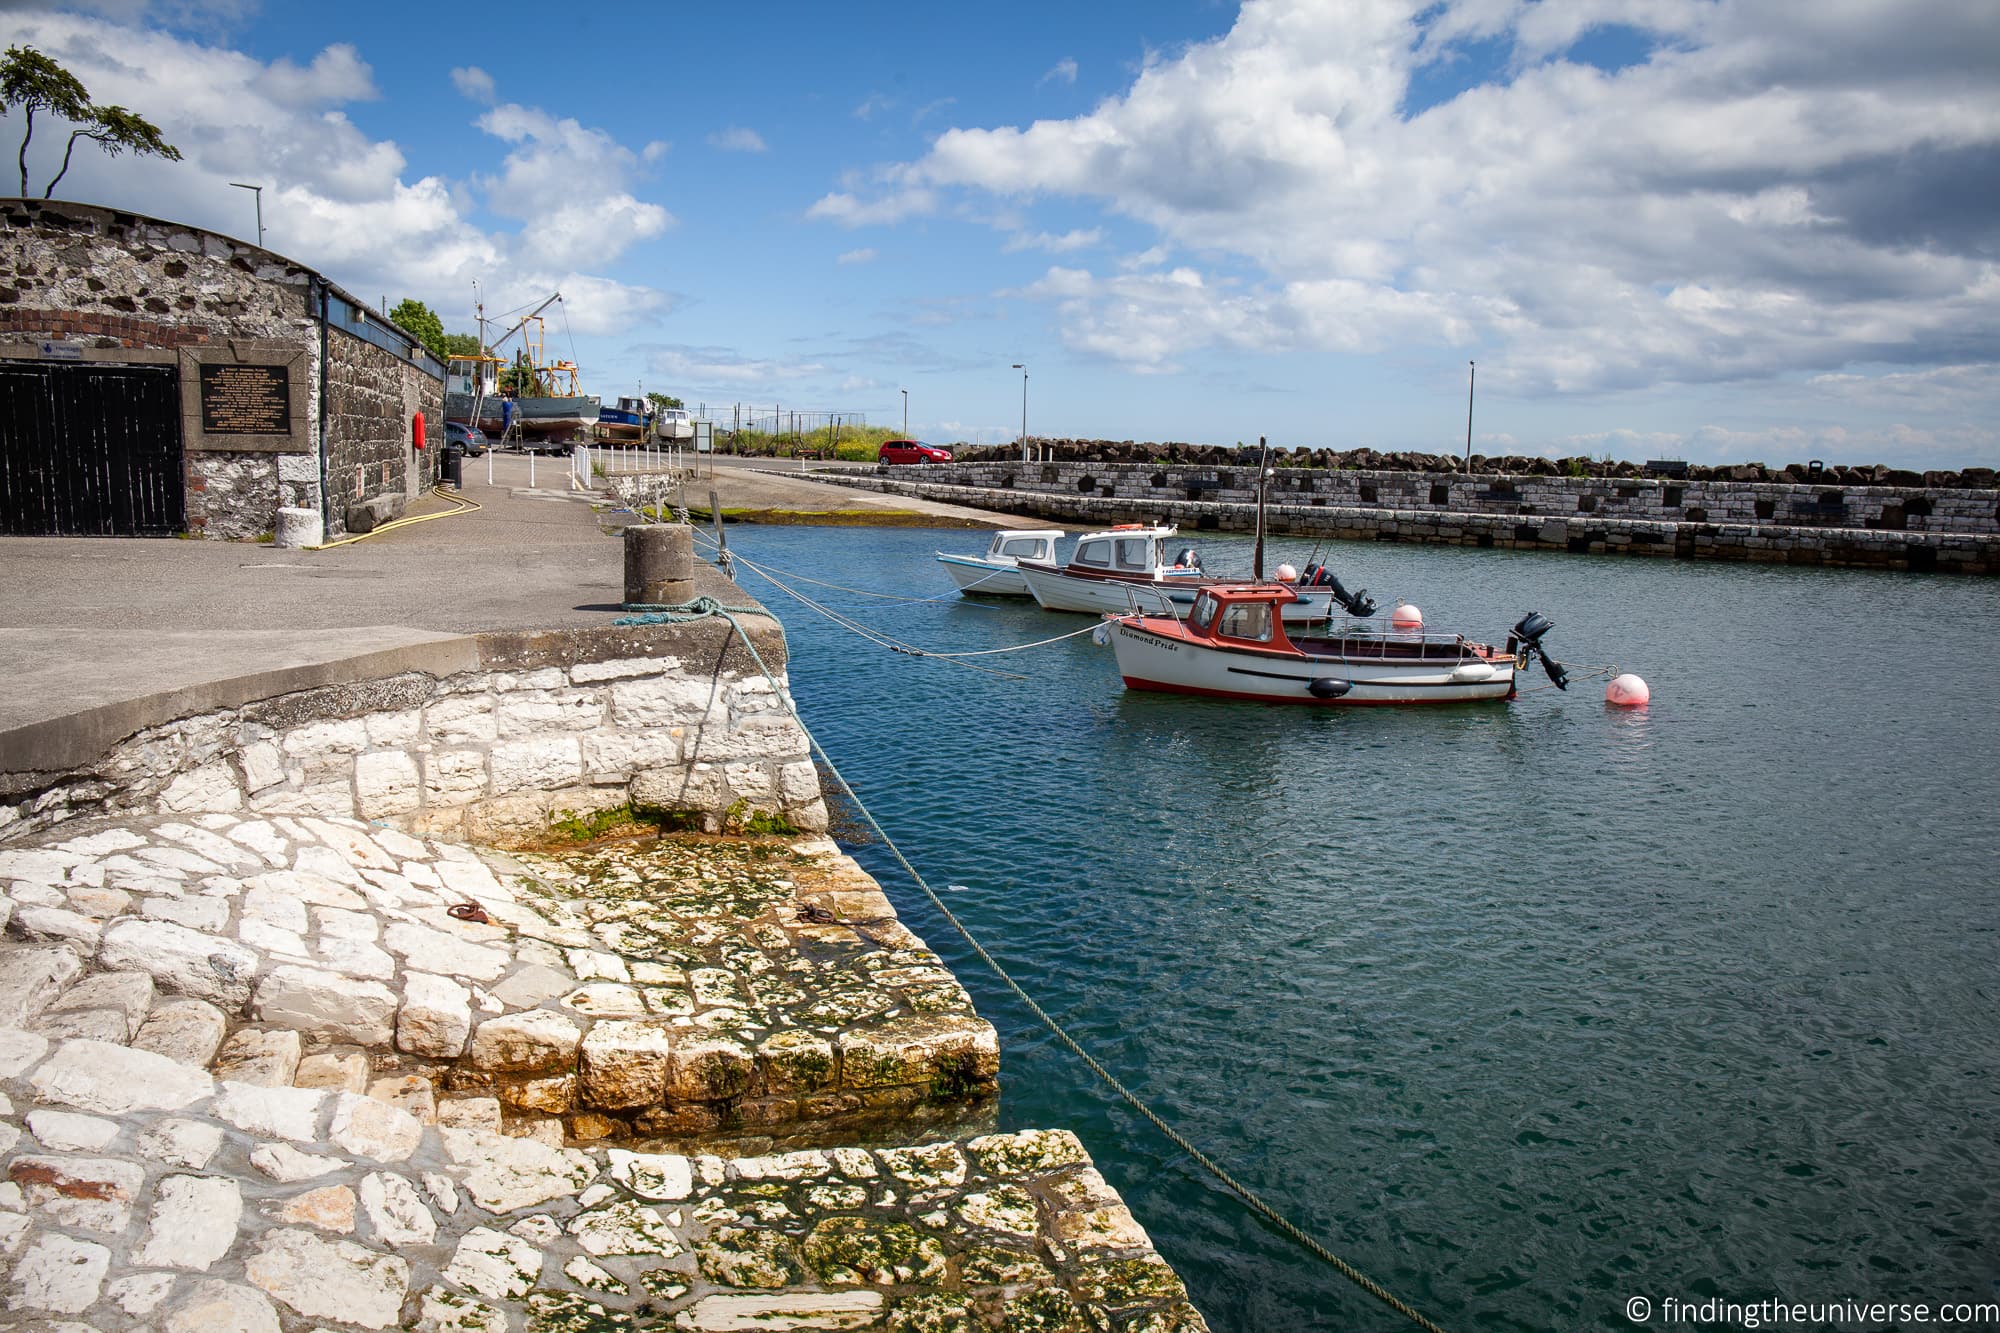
(454, 465)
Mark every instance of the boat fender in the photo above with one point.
(1102, 634)
(1471, 673)
(1325, 687)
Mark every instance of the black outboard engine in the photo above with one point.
(1189, 558)
(1526, 639)
(1355, 603)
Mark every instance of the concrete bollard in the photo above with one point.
(659, 564)
(298, 528)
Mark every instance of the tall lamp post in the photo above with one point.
(257, 190)
(906, 414)
(1024, 410)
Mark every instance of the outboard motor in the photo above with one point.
(1355, 603)
(1189, 558)
(1526, 639)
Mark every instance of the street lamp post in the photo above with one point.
(257, 190)
(1024, 410)
(906, 414)
(1471, 383)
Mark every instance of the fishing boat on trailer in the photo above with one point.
(1127, 568)
(627, 421)
(1232, 644)
(996, 574)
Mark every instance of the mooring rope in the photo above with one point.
(705, 606)
(466, 505)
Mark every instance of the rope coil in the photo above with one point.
(706, 606)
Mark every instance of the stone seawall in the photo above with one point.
(1922, 529)
(483, 737)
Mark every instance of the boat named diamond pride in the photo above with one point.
(1233, 644)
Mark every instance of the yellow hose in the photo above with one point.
(465, 506)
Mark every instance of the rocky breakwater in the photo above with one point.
(276, 1073)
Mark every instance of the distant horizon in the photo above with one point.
(1705, 229)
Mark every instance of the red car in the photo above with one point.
(911, 451)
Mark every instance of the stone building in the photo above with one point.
(158, 379)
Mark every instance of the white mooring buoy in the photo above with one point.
(1627, 691)
(1406, 616)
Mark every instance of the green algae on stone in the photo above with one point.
(991, 1266)
(624, 1227)
(664, 1284)
(847, 1251)
(1028, 1150)
(748, 1257)
(1182, 1318)
(567, 1312)
(587, 1274)
(1008, 1208)
(446, 1311)
(1046, 1310)
(931, 1166)
(934, 1312)
(1119, 1283)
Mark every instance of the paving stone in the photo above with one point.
(794, 1310)
(330, 1208)
(469, 1113)
(20, 1051)
(335, 1071)
(710, 1068)
(494, 1264)
(58, 923)
(623, 1227)
(535, 1042)
(222, 1307)
(106, 1025)
(333, 923)
(626, 1064)
(141, 1293)
(59, 1275)
(181, 960)
(31, 978)
(65, 1131)
(331, 1279)
(396, 1211)
(287, 1165)
(443, 1191)
(531, 985)
(189, 1031)
(94, 1193)
(436, 1017)
(434, 951)
(504, 1174)
(412, 1093)
(179, 1142)
(355, 958)
(658, 1176)
(127, 994)
(368, 1127)
(327, 1006)
(115, 1080)
(209, 915)
(193, 1223)
(267, 1057)
(275, 908)
(286, 1113)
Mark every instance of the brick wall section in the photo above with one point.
(372, 395)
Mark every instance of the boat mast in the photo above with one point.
(1263, 475)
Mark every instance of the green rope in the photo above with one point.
(682, 613)
(1250, 1198)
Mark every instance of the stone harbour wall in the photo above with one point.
(528, 726)
(1914, 528)
(372, 398)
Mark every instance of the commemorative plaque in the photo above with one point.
(246, 400)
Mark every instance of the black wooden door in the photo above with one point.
(90, 450)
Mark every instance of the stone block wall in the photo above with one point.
(1915, 528)
(676, 717)
(372, 396)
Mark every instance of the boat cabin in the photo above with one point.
(1010, 545)
(1242, 613)
(1133, 550)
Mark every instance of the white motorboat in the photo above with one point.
(1127, 568)
(1232, 645)
(995, 574)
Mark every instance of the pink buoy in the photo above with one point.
(1406, 616)
(1627, 691)
(1286, 574)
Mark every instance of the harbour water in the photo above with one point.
(1526, 1010)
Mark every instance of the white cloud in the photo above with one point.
(335, 198)
(1052, 243)
(737, 139)
(727, 370)
(337, 74)
(475, 83)
(1771, 193)
(1063, 71)
(865, 255)
(871, 104)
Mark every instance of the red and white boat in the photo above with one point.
(1234, 644)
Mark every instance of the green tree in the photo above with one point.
(420, 322)
(34, 82)
(461, 344)
(661, 400)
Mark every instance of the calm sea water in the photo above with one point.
(1523, 1009)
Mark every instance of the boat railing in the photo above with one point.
(1134, 594)
(1355, 641)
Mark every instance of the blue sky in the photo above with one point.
(1697, 228)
